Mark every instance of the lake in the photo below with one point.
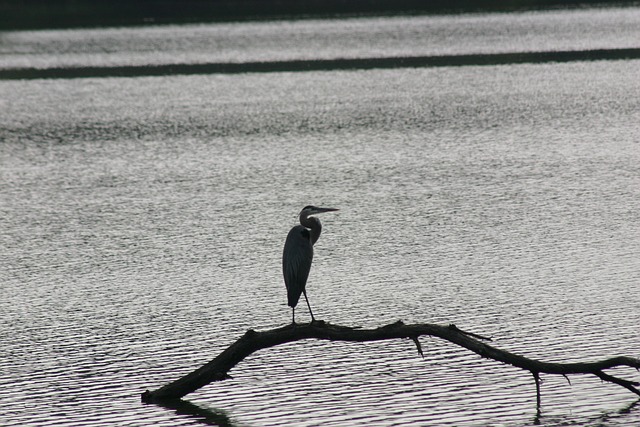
(142, 221)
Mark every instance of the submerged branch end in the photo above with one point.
(629, 385)
(418, 345)
(536, 377)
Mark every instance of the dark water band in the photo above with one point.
(322, 64)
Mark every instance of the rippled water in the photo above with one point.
(143, 220)
(325, 39)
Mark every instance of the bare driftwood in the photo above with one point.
(252, 341)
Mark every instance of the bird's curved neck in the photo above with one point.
(313, 224)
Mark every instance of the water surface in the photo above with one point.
(143, 220)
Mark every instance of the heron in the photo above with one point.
(298, 254)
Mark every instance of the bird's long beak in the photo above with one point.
(313, 210)
(322, 210)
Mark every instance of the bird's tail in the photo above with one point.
(293, 297)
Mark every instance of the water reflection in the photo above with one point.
(608, 418)
(201, 413)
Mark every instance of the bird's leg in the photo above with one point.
(313, 319)
(293, 315)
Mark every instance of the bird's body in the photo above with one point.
(298, 254)
(296, 262)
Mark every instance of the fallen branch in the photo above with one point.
(252, 341)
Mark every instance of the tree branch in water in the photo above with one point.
(252, 341)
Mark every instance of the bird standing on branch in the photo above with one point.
(298, 254)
